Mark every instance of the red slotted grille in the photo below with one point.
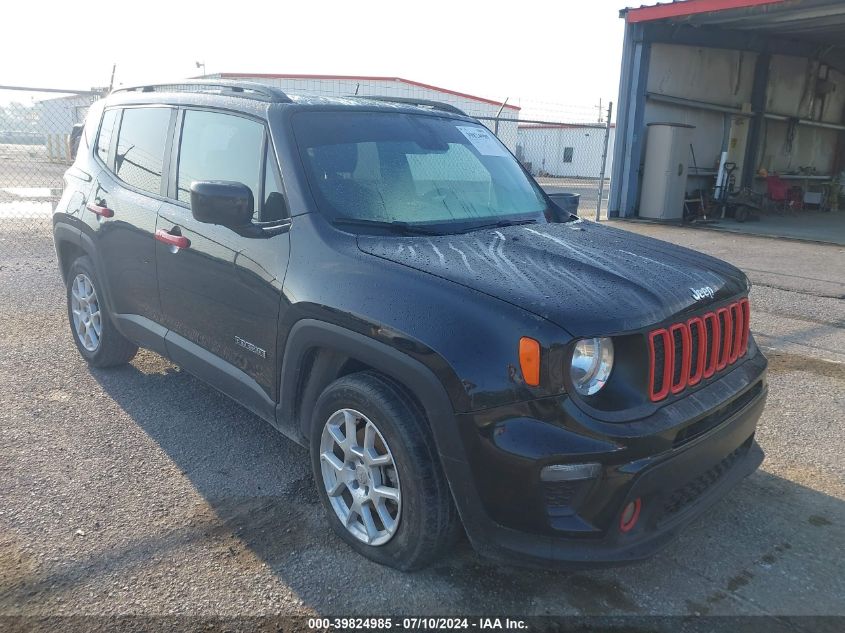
(746, 325)
(724, 317)
(698, 350)
(683, 354)
(660, 364)
(713, 343)
(680, 338)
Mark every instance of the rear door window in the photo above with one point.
(217, 146)
(140, 147)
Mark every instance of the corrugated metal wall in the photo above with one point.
(722, 77)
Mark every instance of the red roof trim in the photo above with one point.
(366, 78)
(688, 7)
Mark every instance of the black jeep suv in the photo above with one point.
(381, 281)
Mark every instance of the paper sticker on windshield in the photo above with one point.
(482, 140)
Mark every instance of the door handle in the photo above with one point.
(103, 212)
(177, 241)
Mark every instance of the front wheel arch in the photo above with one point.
(308, 335)
(326, 351)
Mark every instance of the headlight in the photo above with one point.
(592, 361)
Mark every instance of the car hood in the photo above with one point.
(587, 278)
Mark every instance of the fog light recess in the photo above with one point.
(630, 515)
(570, 472)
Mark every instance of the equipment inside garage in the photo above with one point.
(746, 99)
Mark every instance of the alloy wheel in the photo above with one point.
(360, 477)
(87, 323)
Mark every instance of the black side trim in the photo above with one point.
(220, 374)
(143, 331)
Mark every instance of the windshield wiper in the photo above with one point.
(498, 225)
(395, 226)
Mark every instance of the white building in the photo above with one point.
(564, 149)
(345, 85)
(55, 119)
(58, 115)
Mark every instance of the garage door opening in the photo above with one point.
(758, 88)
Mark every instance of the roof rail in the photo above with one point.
(246, 89)
(437, 105)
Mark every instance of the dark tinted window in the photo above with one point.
(567, 154)
(140, 147)
(106, 130)
(274, 207)
(219, 146)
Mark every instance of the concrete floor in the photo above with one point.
(806, 225)
(814, 226)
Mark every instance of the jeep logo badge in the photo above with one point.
(701, 293)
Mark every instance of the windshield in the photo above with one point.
(404, 170)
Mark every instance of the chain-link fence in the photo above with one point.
(564, 157)
(36, 127)
(564, 154)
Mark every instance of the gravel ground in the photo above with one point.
(142, 491)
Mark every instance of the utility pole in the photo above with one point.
(604, 161)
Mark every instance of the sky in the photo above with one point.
(560, 56)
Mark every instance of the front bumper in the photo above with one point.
(677, 462)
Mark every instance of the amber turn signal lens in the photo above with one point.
(529, 360)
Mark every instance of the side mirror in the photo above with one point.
(222, 202)
(75, 136)
(563, 205)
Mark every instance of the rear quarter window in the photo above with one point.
(105, 136)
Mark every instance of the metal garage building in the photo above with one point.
(762, 81)
(345, 85)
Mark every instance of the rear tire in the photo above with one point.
(96, 338)
(373, 454)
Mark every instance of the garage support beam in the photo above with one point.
(758, 106)
(696, 104)
(757, 42)
(625, 178)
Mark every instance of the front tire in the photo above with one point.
(96, 338)
(378, 474)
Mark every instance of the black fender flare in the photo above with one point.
(64, 232)
(307, 334)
